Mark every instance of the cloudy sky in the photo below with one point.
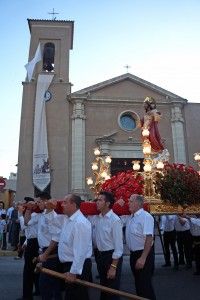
(158, 39)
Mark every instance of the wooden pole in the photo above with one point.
(91, 284)
(36, 259)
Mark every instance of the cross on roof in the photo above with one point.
(53, 13)
(127, 67)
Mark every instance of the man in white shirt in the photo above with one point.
(184, 240)
(139, 237)
(73, 237)
(75, 248)
(169, 237)
(50, 287)
(31, 249)
(8, 218)
(195, 231)
(109, 240)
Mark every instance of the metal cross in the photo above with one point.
(53, 13)
(127, 67)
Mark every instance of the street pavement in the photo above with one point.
(169, 284)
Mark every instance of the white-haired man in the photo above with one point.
(139, 237)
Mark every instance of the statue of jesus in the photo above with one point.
(150, 122)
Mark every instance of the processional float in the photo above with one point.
(168, 188)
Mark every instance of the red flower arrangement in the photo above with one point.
(179, 184)
(123, 185)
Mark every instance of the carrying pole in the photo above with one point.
(90, 284)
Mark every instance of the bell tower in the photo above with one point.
(54, 40)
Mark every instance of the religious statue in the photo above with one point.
(150, 123)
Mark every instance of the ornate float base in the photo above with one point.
(158, 207)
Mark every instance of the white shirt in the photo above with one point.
(44, 221)
(195, 226)
(56, 227)
(31, 230)
(2, 211)
(9, 212)
(138, 227)
(108, 233)
(167, 222)
(2, 226)
(75, 243)
(92, 220)
(179, 226)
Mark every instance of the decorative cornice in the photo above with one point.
(107, 138)
(72, 98)
(108, 141)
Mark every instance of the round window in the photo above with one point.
(128, 121)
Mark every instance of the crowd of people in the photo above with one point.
(65, 243)
(10, 231)
(181, 234)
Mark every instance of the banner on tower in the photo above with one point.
(30, 66)
(41, 166)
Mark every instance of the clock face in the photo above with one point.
(47, 96)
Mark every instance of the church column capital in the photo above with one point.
(177, 115)
(78, 109)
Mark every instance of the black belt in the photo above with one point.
(106, 252)
(136, 251)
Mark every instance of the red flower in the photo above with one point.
(124, 184)
(179, 184)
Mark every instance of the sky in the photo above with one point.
(158, 39)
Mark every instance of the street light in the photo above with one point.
(100, 170)
(197, 159)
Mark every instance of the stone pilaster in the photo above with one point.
(78, 147)
(178, 135)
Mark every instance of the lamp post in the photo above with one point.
(197, 159)
(101, 171)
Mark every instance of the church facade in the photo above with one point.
(105, 115)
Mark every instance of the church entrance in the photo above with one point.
(123, 164)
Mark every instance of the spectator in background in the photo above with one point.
(8, 219)
(169, 236)
(195, 231)
(3, 230)
(2, 208)
(184, 241)
(14, 229)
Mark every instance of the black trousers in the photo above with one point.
(4, 241)
(50, 287)
(74, 291)
(143, 277)
(184, 242)
(104, 260)
(29, 277)
(169, 238)
(196, 248)
(20, 251)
